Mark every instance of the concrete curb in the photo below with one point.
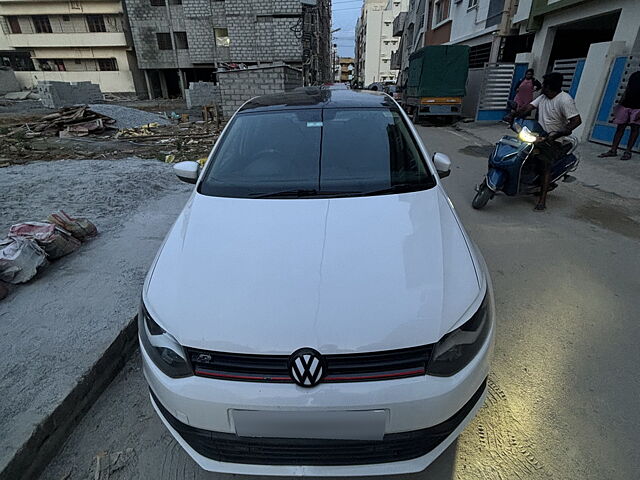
(49, 436)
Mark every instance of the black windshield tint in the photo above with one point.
(314, 153)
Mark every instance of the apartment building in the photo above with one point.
(375, 41)
(182, 41)
(69, 41)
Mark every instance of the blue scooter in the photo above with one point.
(513, 173)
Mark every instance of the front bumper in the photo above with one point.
(426, 413)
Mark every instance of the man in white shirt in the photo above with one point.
(558, 116)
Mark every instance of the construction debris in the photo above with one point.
(20, 259)
(126, 117)
(70, 119)
(88, 132)
(22, 95)
(29, 244)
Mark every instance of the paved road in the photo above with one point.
(563, 398)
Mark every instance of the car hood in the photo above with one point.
(339, 275)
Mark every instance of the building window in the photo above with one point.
(66, 18)
(96, 23)
(472, 4)
(222, 37)
(442, 11)
(181, 40)
(164, 41)
(58, 65)
(14, 25)
(157, 3)
(175, 2)
(479, 55)
(41, 24)
(107, 64)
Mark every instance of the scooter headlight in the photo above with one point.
(167, 354)
(527, 135)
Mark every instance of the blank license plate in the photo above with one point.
(439, 109)
(344, 425)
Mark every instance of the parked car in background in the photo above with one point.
(317, 308)
(393, 90)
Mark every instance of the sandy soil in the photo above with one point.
(56, 326)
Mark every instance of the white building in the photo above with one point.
(76, 41)
(375, 40)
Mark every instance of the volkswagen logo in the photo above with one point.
(306, 367)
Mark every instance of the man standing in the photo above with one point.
(558, 116)
(626, 113)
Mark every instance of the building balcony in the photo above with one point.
(398, 24)
(61, 40)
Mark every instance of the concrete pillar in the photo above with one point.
(149, 86)
(526, 57)
(163, 84)
(542, 45)
(593, 82)
(495, 48)
(627, 29)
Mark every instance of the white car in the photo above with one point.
(317, 308)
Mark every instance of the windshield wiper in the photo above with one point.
(399, 188)
(296, 192)
(301, 192)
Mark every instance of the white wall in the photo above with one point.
(523, 12)
(4, 42)
(117, 82)
(467, 24)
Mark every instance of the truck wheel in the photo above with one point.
(416, 115)
(482, 197)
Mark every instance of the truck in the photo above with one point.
(437, 81)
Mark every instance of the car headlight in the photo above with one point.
(457, 348)
(164, 350)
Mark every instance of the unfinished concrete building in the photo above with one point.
(182, 41)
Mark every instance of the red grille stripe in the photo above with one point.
(242, 377)
(419, 371)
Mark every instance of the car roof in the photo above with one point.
(318, 97)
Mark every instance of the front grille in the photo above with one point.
(352, 367)
(394, 447)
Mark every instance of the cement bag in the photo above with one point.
(55, 241)
(80, 228)
(20, 259)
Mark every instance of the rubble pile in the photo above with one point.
(105, 131)
(126, 117)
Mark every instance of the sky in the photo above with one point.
(345, 16)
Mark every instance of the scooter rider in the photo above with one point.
(558, 116)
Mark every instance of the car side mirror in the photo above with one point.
(187, 171)
(443, 164)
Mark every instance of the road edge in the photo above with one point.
(32, 457)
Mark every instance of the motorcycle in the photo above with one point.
(512, 170)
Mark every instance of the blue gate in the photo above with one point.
(498, 86)
(603, 129)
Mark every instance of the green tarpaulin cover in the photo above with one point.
(438, 71)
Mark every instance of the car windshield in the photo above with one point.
(316, 153)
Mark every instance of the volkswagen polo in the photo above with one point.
(317, 308)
